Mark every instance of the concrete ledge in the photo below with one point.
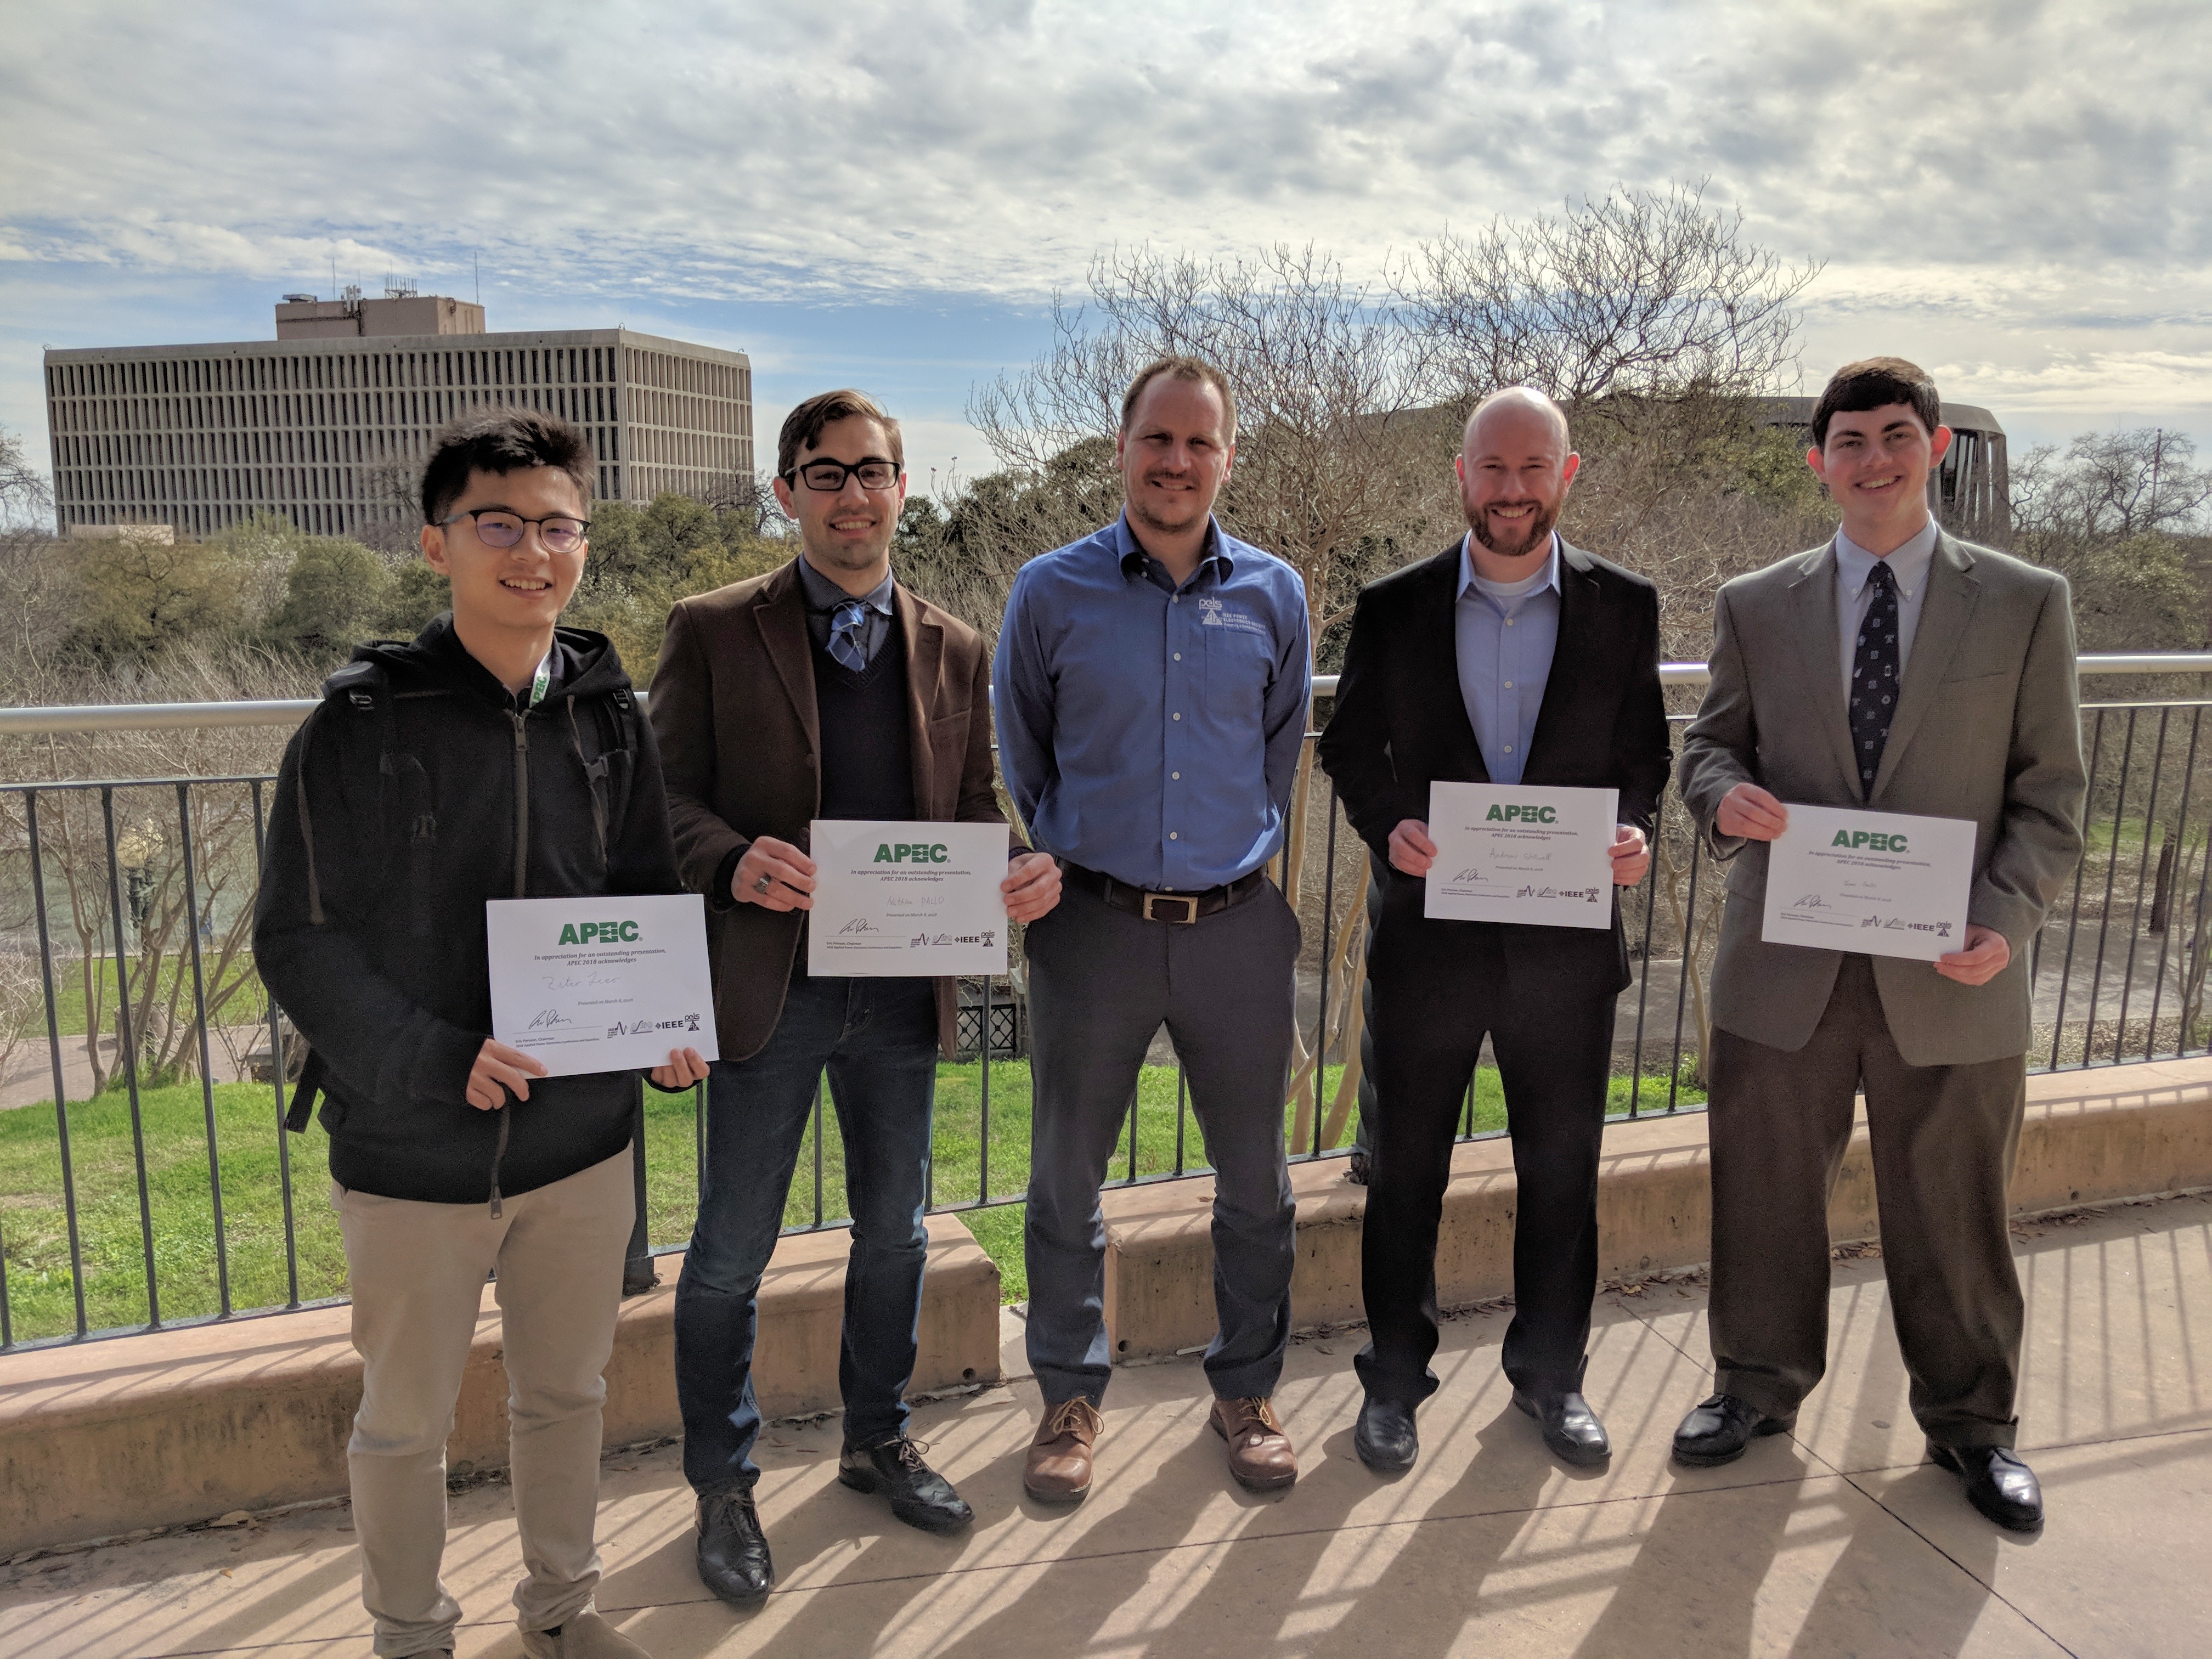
(2114, 1132)
(103, 1438)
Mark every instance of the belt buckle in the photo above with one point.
(1189, 908)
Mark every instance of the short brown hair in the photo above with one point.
(1194, 369)
(502, 440)
(1876, 383)
(802, 427)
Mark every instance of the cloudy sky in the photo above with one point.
(2017, 195)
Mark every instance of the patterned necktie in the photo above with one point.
(845, 623)
(1873, 675)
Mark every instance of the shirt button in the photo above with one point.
(1508, 748)
(1178, 656)
(1173, 836)
(1509, 621)
(1509, 686)
(1178, 717)
(1177, 776)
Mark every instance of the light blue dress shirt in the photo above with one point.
(1854, 564)
(1148, 731)
(1506, 632)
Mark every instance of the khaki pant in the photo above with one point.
(1944, 1139)
(418, 1273)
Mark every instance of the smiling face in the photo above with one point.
(1875, 464)
(520, 588)
(1173, 455)
(846, 531)
(1514, 470)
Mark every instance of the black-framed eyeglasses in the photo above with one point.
(827, 478)
(558, 532)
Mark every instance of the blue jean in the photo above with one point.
(877, 1038)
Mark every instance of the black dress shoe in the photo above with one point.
(1571, 1427)
(1384, 1436)
(920, 1496)
(1998, 1483)
(1717, 1430)
(734, 1560)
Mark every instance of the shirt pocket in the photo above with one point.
(1240, 663)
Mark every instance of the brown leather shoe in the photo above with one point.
(1260, 1453)
(1058, 1468)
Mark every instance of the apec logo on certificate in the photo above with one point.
(907, 899)
(1508, 853)
(1886, 884)
(601, 984)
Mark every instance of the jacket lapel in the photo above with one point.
(1577, 599)
(780, 613)
(1946, 612)
(1813, 622)
(925, 650)
(1459, 753)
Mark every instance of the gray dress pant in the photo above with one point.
(1944, 1138)
(1101, 983)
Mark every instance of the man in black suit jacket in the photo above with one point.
(1509, 658)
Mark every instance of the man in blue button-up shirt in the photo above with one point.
(1151, 689)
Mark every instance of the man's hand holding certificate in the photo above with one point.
(907, 899)
(1521, 853)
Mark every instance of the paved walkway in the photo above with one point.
(1837, 1541)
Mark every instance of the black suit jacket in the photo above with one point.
(1399, 725)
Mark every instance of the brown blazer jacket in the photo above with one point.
(1986, 729)
(732, 704)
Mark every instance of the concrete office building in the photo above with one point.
(328, 424)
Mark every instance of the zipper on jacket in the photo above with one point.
(521, 885)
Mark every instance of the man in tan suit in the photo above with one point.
(1904, 671)
(823, 690)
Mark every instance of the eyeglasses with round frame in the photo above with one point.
(496, 527)
(828, 477)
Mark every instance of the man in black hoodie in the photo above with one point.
(496, 755)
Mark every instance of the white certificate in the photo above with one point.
(1508, 853)
(907, 899)
(601, 984)
(1885, 883)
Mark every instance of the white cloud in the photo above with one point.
(2010, 186)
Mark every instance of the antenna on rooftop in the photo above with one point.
(475, 269)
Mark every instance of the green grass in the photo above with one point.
(33, 1231)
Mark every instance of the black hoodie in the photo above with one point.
(419, 789)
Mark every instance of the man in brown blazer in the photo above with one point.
(1899, 670)
(823, 690)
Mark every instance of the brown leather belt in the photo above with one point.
(1163, 906)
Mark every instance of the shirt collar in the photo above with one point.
(1133, 555)
(1466, 567)
(1908, 563)
(823, 595)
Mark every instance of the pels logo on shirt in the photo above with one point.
(1218, 613)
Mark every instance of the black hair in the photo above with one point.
(1876, 383)
(502, 440)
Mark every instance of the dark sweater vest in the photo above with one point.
(867, 750)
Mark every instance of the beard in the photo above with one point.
(1538, 534)
(1142, 513)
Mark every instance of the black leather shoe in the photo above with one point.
(1998, 1483)
(734, 1560)
(1384, 1436)
(1717, 1430)
(920, 1496)
(1571, 1427)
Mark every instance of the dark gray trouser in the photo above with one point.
(1944, 1138)
(1102, 982)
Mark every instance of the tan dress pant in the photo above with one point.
(417, 1273)
(1944, 1138)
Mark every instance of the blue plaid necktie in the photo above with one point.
(845, 623)
(1873, 675)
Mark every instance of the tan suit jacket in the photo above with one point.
(734, 706)
(1987, 728)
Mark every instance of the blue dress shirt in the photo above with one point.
(1506, 632)
(1148, 731)
(1854, 564)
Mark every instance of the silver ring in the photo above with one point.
(763, 884)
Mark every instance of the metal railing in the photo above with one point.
(146, 1181)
